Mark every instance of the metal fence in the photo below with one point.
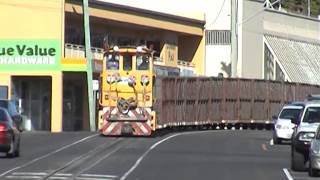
(198, 100)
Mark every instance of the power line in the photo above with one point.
(218, 15)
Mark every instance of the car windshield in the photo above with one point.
(290, 114)
(312, 115)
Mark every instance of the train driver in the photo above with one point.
(113, 59)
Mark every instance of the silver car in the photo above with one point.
(314, 155)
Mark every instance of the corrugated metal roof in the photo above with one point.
(300, 60)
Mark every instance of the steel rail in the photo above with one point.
(82, 158)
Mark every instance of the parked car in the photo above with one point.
(12, 109)
(283, 127)
(304, 132)
(314, 155)
(9, 135)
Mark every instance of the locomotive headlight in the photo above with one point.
(110, 79)
(116, 77)
(132, 81)
(139, 49)
(306, 136)
(144, 79)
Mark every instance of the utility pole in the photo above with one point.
(280, 6)
(86, 27)
(309, 11)
(234, 39)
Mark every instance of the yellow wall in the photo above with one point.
(169, 52)
(57, 103)
(35, 20)
(192, 49)
(139, 19)
(199, 57)
(32, 19)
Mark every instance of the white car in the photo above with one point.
(283, 128)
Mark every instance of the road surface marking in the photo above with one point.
(49, 154)
(23, 177)
(152, 147)
(29, 173)
(62, 174)
(98, 175)
(58, 177)
(271, 142)
(89, 178)
(286, 172)
(104, 157)
(264, 147)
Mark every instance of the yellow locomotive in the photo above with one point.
(126, 92)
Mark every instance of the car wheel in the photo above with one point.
(276, 140)
(11, 152)
(17, 150)
(312, 172)
(297, 161)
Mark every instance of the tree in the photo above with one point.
(301, 6)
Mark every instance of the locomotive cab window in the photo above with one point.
(143, 62)
(127, 62)
(113, 62)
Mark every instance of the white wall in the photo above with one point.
(215, 56)
(218, 17)
(218, 14)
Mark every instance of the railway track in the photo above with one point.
(70, 169)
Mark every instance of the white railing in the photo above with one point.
(78, 51)
(185, 64)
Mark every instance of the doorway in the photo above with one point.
(75, 111)
(34, 95)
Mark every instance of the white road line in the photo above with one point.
(23, 177)
(30, 173)
(98, 175)
(286, 172)
(49, 154)
(62, 174)
(271, 142)
(58, 177)
(88, 178)
(152, 147)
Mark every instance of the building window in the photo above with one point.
(268, 64)
(279, 73)
(218, 37)
(3, 92)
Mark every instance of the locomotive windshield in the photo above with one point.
(127, 62)
(143, 62)
(113, 62)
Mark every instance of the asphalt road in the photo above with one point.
(215, 154)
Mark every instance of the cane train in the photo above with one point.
(126, 92)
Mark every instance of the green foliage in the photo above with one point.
(301, 6)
